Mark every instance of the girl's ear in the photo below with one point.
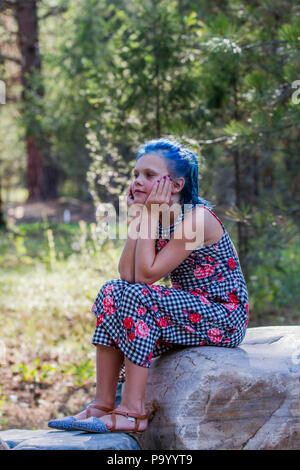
(178, 184)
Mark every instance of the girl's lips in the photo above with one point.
(137, 191)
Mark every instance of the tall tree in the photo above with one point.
(42, 173)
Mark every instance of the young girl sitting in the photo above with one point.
(137, 320)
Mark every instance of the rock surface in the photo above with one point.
(3, 445)
(221, 398)
(25, 439)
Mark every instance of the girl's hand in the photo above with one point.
(135, 210)
(161, 192)
(130, 196)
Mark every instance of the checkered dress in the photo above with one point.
(207, 304)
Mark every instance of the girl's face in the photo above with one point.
(148, 169)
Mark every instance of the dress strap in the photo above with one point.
(214, 216)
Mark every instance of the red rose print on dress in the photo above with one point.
(108, 305)
(161, 243)
(162, 322)
(141, 311)
(156, 287)
(128, 323)
(100, 319)
(108, 289)
(233, 302)
(155, 309)
(145, 291)
(195, 317)
(232, 297)
(231, 263)
(215, 335)
(201, 294)
(203, 299)
(231, 306)
(190, 329)
(141, 329)
(131, 336)
(204, 271)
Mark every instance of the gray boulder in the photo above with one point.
(221, 398)
(3, 445)
(25, 439)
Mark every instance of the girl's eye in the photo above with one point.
(148, 174)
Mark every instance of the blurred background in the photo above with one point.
(82, 84)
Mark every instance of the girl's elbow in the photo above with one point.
(126, 276)
(142, 280)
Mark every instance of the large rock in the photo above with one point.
(220, 398)
(3, 445)
(25, 439)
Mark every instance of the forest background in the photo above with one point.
(82, 84)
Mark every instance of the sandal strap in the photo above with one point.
(98, 407)
(137, 416)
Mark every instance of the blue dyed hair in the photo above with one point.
(180, 162)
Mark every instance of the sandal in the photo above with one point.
(94, 424)
(67, 423)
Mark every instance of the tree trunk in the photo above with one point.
(41, 177)
(241, 228)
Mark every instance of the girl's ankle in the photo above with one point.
(103, 403)
(132, 408)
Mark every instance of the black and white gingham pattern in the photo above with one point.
(206, 305)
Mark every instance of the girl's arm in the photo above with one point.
(126, 265)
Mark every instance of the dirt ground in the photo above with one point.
(58, 210)
(30, 405)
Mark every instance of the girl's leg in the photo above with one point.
(133, 397)
(108, 364)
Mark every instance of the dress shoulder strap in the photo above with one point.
(215, 216)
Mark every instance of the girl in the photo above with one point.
(207, 303)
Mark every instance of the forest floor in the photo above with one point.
(56, 210)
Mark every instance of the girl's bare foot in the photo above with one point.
(91, 411)
(122, 422)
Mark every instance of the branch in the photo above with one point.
(214, 141)
(265, 43)
(219, 140)
(12, 59)
(7, 4)
(53, 12)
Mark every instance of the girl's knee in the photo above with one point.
(114, 283)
